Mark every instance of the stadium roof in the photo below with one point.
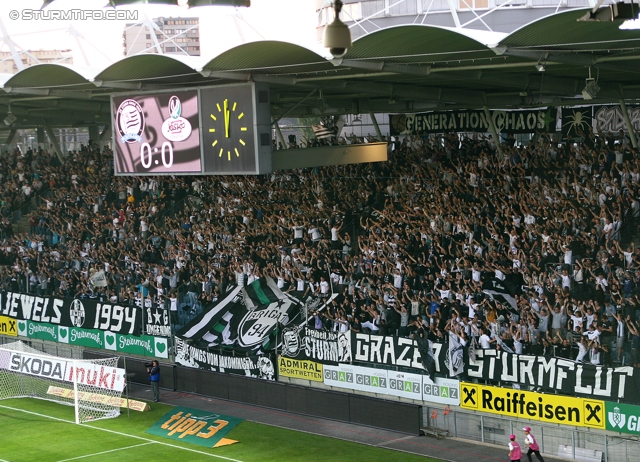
(399, 69)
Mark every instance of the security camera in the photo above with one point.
(337, 37)
(338, 52)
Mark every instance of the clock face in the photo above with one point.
(157, 134)
(228, 130)
(234, 121)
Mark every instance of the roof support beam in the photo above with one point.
(345, 76)
(627, 122)
(492, 129)
(54, 140)
(534, 82)
(111, 84)
(380, 66)
(547, 56)
(12, 134)
(106, 133)
(574, 59)
(275, 122)
(279, 132)
(84, 95)
(28, 91)
(248, 77)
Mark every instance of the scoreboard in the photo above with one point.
(205, 131)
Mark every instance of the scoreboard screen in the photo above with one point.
(157, 134)
(223, 130)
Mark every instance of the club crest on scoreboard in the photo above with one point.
(130, 121)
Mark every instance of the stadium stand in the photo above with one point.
(518, 249)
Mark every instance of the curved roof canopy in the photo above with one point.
(398, 69)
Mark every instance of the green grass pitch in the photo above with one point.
(46, 433)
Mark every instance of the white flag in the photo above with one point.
(98, 279)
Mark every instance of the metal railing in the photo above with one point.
(554, 440)
(51, 348)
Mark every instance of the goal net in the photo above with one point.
(93, 387)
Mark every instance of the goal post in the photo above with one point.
(92, 386)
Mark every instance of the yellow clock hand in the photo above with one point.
(226, 118)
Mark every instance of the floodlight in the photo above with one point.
(10, 117)
(591, 89)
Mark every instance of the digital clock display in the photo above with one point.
(157, 134)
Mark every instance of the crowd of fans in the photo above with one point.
(410, 245)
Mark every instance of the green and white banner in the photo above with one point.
(144, 345)
(623, 418)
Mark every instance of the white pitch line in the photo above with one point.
(395, 440)
(104, 452)
(124, 434)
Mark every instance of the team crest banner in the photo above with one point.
(305, 343)
(246, 319)
(623, 418)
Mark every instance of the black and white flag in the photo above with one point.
(321, 132)
(157, 322)
(246, 319)
(204, 329)
(455, 356)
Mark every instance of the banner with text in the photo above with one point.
(565, 376)
(623, 418)
(300, 369)
(195, 426)
(143, 345)
(528, 405)
(398, 351)
(87, 314)
(251, 366)
(356, 378)
(305, 343)
(443, 391)
(611, 119)
(523, 121)
(8, 326)
(393, 383)
(405, 385)
(99, 398)
(52, 367)
(157, 322)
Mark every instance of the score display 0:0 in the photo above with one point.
(165, 146)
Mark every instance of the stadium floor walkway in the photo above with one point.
(449, 449)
